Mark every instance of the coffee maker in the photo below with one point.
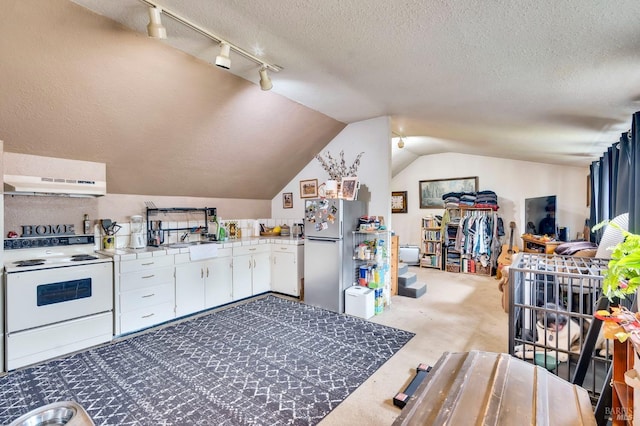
(136, 238)
(298, 230)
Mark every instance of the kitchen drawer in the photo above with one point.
(142, 279)
(145, 297)
(145, 264)
(252, 249)
(287, 248)
(51, 341)
(146, 317)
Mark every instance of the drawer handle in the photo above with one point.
(252, 249)
(147, 264)
(149, 276)
(148, 316)
(148, 295)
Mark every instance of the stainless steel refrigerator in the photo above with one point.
(329, 268)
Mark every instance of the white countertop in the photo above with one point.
(151, 251)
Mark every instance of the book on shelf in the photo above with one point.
(431, 235)
(430, 222)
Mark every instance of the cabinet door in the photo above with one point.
(189, 288)
(218, 282)
(284, 275)
(242, 266)
(261, 276)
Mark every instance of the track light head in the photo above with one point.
(400, 143)
(223, 60)
(265, 81)
(155, 28)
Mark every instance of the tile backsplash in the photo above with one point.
(248, 228)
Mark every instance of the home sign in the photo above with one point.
(42, 230)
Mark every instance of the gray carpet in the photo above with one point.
(266, 362)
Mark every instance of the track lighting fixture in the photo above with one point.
(400, 143)
(223, 60)
(265, 81)
(155, 28)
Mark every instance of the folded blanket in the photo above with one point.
(571, 248)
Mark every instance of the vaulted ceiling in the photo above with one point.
(543, 81)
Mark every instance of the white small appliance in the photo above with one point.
(137, 239)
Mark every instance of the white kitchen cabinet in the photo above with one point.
(190, 288)
(219, 280)
(144, 292)
(287, 268)
(203, 284)
(251, 270)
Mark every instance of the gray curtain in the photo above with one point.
(634, 175)
(615, 180)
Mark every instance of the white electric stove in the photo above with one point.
(58, 297)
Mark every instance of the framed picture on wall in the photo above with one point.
(399, 202)
(431, 191)
(287, 200)
(309, 188)
(349, 188)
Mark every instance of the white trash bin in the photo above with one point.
(359, 302)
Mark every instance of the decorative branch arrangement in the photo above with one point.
(337, 168)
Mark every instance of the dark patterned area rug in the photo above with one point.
(266, 362)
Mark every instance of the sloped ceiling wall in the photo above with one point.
(76, 85)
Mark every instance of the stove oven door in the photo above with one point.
(48, 296)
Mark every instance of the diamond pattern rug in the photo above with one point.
(269, 361)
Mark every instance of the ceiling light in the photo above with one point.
(265, 81)
(223, 60)
(155, 28)
(400, 143)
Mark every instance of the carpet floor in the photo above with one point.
(268, 361)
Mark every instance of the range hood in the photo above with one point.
(35, 175)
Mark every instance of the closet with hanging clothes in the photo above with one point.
(477, 240)
(471, 232)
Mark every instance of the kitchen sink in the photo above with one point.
(189, 244)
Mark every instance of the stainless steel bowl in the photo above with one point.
(68, 413)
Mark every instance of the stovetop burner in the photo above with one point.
(81, 257)
(33, 259)
(29, 262)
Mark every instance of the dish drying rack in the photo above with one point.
(158, 220)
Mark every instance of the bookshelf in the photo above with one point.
(431, 243)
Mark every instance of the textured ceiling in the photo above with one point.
(544, 81)
(78, 85)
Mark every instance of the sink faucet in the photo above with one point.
(184, 236)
